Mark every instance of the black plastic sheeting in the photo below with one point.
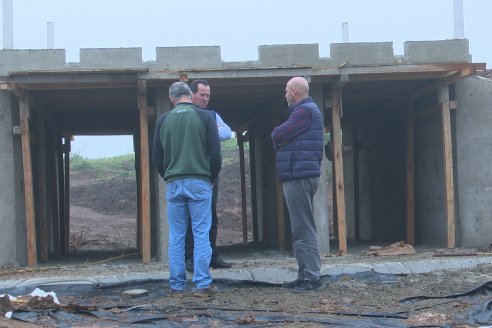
(146, 315)
(479, 314)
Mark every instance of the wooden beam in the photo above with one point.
(28, 183)
(42, 174)
(144, 170)
(336, 96)
(443, 96)
(434, 110)
(410, 196)
(244, 213)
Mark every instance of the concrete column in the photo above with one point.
(7, 196)
(162, 106)
(320, 203)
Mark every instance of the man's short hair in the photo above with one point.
(178, 89)
(195, 83)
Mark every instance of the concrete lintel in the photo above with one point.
(362, 53)
(188, 57)
(110, 57)
(439, 51)
(31, 59)
(286, 55)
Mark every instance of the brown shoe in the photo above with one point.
(175, 293)
(210, 291)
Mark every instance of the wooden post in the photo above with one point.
(410, 211)
(242, 169)
(28, 183)
(252, 177)
(43, 224)
(144, 172)
(55, 209)
(338, 165)
(448, 163)
(66, 199)
(61, 193)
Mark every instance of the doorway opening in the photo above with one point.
(103, 195)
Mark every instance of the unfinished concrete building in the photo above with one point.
(410, 133)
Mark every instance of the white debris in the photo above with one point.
(42, 293)
(8, 315)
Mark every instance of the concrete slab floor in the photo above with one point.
(249, 262)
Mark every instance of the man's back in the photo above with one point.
(189, 147)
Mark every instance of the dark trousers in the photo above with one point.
(213, 228)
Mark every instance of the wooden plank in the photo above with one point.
(66, 194)
(338, 165)
(61, 192)
(252, 176)
(410, 194)
(448, 164)
(28, 183)
(53, 174)
(43, 224)
(434, 110)
(244, 213)
(144, 171)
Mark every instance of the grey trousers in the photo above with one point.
(299, 195)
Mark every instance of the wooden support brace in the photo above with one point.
(244, 214)
(28, 183)
(338, 165)
(448, 164)
(144, 171)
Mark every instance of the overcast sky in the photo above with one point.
(239, 27)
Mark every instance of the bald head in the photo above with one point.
(296, 90)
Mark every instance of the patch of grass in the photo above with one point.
(121, 166)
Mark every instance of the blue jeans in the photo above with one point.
(191, 197)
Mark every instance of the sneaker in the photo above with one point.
(177, 293)
(218, 263)
(292, 284)
(309, 286)
(205, 292)
(189, 265)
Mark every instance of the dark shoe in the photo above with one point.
(309, 286)
(189, 265)
(205, 292)
(175, 293)
(292, 284)
(217, 263)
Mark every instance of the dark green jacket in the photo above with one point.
(186, 144)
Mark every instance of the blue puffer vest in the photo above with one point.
(301, 157)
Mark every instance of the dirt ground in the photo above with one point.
(103, 220)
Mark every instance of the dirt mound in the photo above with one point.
(113, 195)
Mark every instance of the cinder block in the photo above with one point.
(362, 53)
(287, 55)
(440, 51)
(176, 58)
(31, 59)
(111, 57)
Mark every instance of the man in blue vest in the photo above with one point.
(299, 145)
(200, 97)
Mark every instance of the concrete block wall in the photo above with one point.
(7, 195)
(430, 214)
(474, 160)
(111, 57)
(362, 53)
(209, 57)
(188, 57)
(418, 52)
